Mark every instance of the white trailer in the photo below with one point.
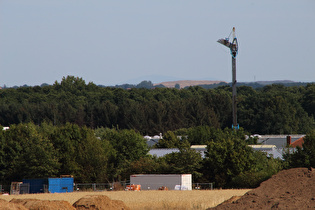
(155, 181)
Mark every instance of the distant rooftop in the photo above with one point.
(263, 147)
(279, 140)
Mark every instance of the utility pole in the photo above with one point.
(234, 49)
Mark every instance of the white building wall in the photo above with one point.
(187, 181)
(155, 181)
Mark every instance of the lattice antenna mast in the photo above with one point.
(234, 50)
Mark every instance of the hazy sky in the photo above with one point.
(114, 42)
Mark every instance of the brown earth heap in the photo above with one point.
(11, 206)
(88, 202)
(289, 189)
(99, 202)
(35, 204)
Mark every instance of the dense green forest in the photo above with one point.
(272, 109)
(106, 155)
(96, 133)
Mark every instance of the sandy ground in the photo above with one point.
(201, 199)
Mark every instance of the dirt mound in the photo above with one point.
(10, 206)
(231, 200)
(289, 189)
(99, 202)
(35, 204)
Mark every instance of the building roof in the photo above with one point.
(279, 140)
(298, 143)
(162, 151)
(198, 147)
(272, 145)
(270, 150)
(263, 147)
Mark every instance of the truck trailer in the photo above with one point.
(156, 181)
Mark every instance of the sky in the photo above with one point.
(110, 42)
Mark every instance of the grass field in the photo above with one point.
(195, 199)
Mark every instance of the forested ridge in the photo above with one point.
(96, 133)
(272, 109)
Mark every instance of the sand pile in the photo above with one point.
(11, 206)
(99, 202)
(35, 204)
(87, 202)
(289, 189)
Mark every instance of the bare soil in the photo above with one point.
(11, 206)
(35, 204)
(87, 202)
(99, 202)
(289, 189)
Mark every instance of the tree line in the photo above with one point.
(96, 133)
(272, 109)
(105, 155)
(111, 154)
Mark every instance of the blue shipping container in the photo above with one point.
(60, 185)
(36, 185)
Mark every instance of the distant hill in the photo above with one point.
(187, 83)
(273, 82)
(207, 84)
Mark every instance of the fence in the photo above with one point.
(203, 186)
(92, 187)
(101, 187)
(122, 186)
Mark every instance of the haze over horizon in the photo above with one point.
(111, 43)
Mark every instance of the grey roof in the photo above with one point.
(279, 140)
(163, 151)
(276, 143)
(152, 142)
(270, 150)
